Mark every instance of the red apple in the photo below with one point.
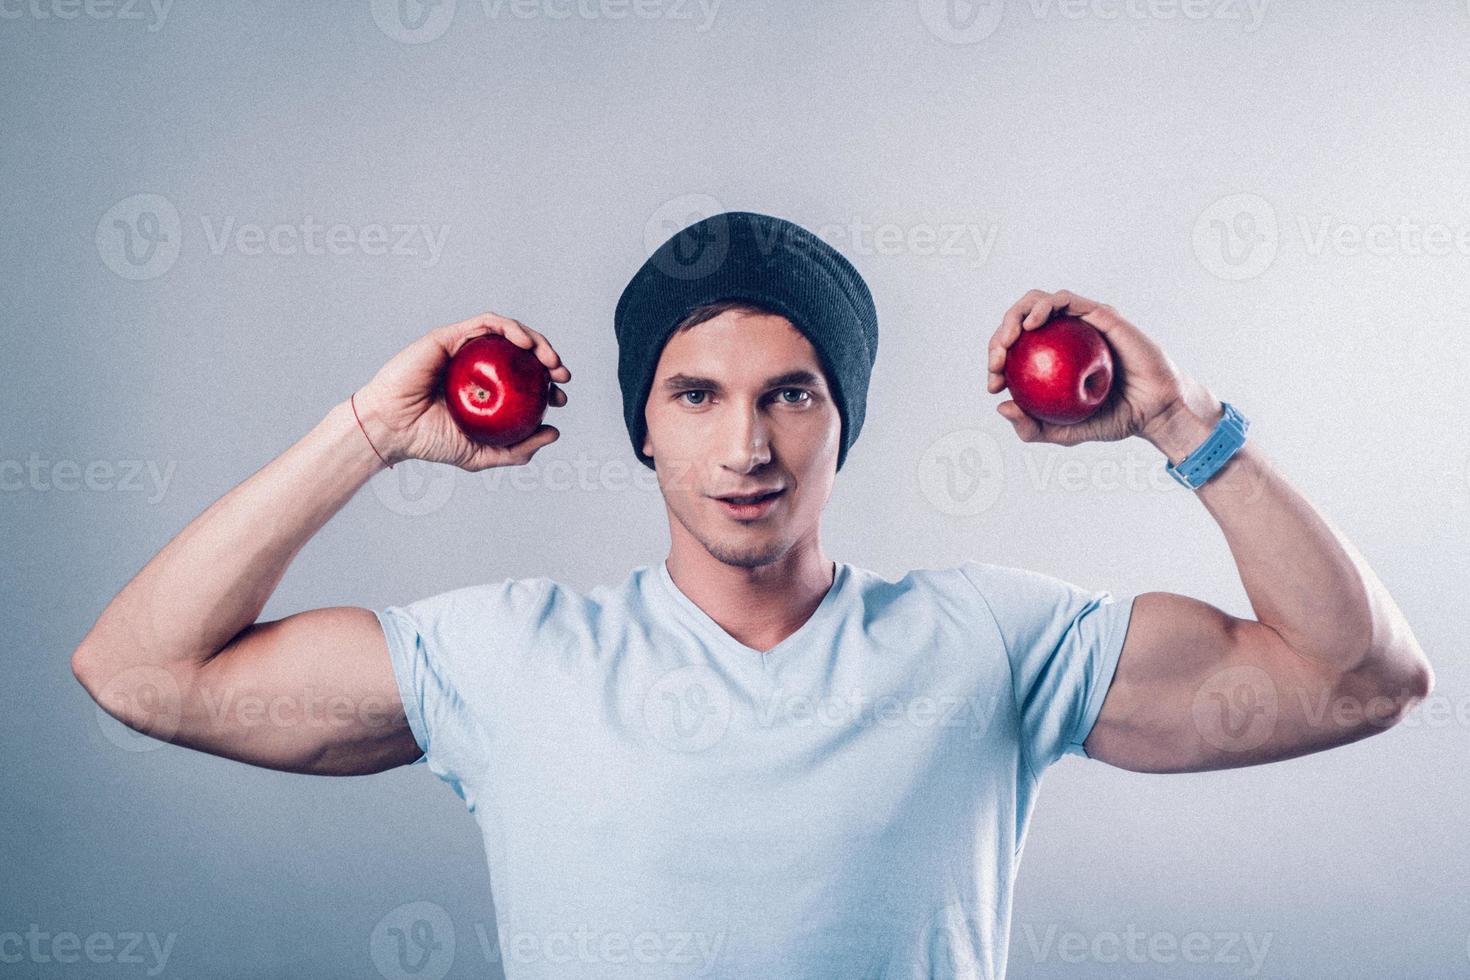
(1061, 372)
(496, 391)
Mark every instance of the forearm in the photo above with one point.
(214, 578)
(1304, 579)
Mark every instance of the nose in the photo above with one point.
(747, 440)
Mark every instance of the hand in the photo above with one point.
(1148, 391)
(402, 408)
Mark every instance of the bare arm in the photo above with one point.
(178, 653)
(1329, 659)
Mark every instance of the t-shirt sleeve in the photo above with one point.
(1063, 643)
(447, 652)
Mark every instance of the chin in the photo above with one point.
(746, 555)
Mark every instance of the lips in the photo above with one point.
(754, 497)
(761, 506)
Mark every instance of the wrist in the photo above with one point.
(374, 434)
(351, 456)
(1184, 426)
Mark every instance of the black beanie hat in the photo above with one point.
(740, 255)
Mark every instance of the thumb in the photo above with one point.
(1027, 428)
(519, 454)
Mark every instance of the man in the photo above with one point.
(751, 760)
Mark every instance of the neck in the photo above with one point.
(758, 607)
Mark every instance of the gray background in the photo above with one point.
(1098, 153)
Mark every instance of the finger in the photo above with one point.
(996, 358)
(548, 355)
(454, 336)
(519, 334)
(1039, 313)
(516, 454)
(1075, 304)
(1107, 321)
(1100, 315)
(1027, 428)
(994, 382)
(558, 397)
(1010, 324)
(544, 435)
(1019, 317)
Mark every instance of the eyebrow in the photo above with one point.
(676, 382)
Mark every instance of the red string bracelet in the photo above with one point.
(369, 438)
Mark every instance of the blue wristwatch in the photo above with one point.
(1229, 435)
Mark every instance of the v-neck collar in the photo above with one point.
(717, 633)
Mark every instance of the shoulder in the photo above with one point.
(963, 580)
(1009, 597)
(1008, 583)
(496, 593)
(956, 587)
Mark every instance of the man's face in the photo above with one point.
(740, 404)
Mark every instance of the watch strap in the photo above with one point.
(1196, 469)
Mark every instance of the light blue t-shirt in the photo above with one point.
(659, 800)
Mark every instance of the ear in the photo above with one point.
(647, 446)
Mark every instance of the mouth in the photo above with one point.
(750, 508)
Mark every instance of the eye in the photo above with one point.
(691, 391)
(805, 395)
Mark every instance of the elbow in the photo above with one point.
(1411, 672)
(1421, 680)
(98, 670)
(83, 666)
(1401, 679)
